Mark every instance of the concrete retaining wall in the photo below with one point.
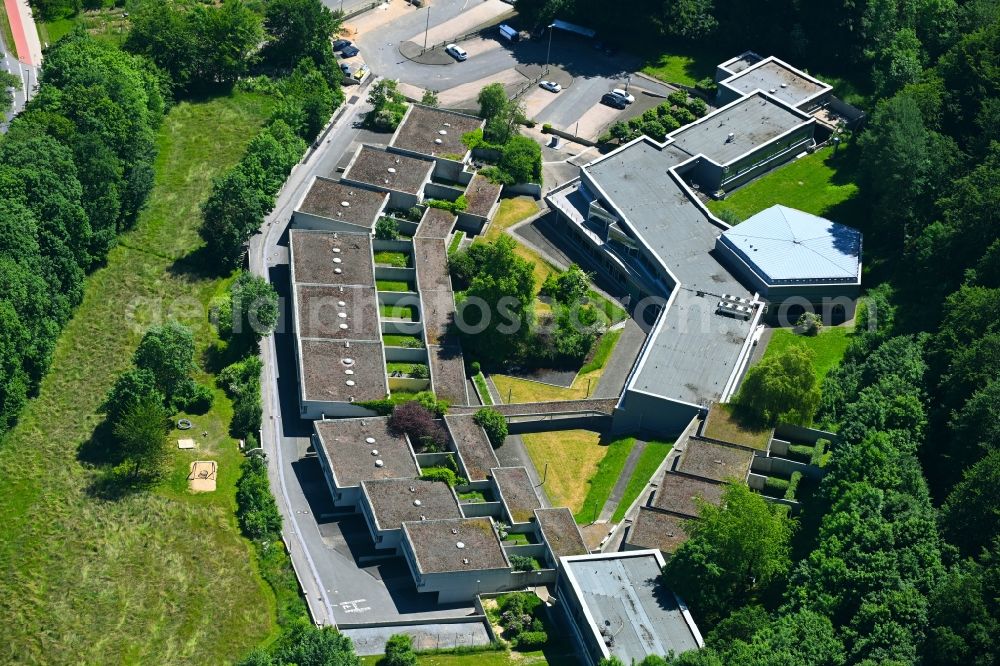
(483, 509)
(405, 355)
(529, 189)
(796, 433)
(398, 298)
(394, 245)
(438, 191)
(408, 384)
(548, 423)
(394, 327)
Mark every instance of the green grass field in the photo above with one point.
(105, 24)
(407, 312)
(408, 341)
(492, 658)
(8, 36)
(158, 575)
(600, 485)
(393, 285)
(602, 351)
(484, 391)
(821, 184)
(456, 242)
(828, 347)
(649, 460)
(396, 259)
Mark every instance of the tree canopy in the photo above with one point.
(781, 387)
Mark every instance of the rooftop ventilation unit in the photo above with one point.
(337, 260)
(465, 560)
(417, 502)
(348, 372)
(336, 250)
(374, 452)
(442, 132)
(454, 531)
(350, 382)
(343, 327)
(341, 303)
(773, 90)
(345, 204)
(784, 85)
(370, 440)
(379, 463)
(446, 124)
(337, 271)
(729, 139)
(347, 361)
(342, 315)
(460, 545)
(438, 141)
(391, 170)
(413, 489)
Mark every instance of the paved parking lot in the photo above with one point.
(585, 73)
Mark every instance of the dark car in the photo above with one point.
(349, 51)
(341, 44)
(613, 100)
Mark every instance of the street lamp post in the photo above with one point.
(628, 80)
(427, 27)
(548, 53)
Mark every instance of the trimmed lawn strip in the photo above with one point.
(157, 574)
(720, 424)
(390, 258)
(821, 184)
(489, 658)
(405, 368)
(483, 388)
(602, 351)
(407, 341)
(649, 460)
(393, 285)
(407, 312)
(828, 347)
(510, 212)
(603, 481)
(456, 241)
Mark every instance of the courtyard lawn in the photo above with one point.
(395, 259)
(107, 24)
(574, 458)
(488, 658)
(828, 347)
(722, 425)
(649, 461)
(408, 341)
(600, 484)
(821, 184)
(482, 388)
(405, 312)
(156, 575)
(510, 212)
(393, 285)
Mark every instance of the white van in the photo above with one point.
(509, 33)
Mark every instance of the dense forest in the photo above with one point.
(77, 164)
(894, 560)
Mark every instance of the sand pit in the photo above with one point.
(202, 476)
(185, 444)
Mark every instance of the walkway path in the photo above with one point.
(22, 25)
(619, 490)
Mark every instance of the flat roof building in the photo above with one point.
(388, 503)
(456, 558)
(351, 451)
(749, 72)
(432, 132)
(715, 461)
(403, 177)
(475, 453)
(678, 494)
(516, 492)
(331, 205)
(560, 532)
(656, 530)
(617, 606)
(340, 359)
(794, 258)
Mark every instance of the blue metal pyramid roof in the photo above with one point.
(785, 245)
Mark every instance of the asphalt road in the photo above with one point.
(28, 76)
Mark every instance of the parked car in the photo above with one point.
(361, 73)
(551, 86)
(456, 52)
(349, 51)
(614, 100)
(625, 95)
(341, 44)
(345, 68)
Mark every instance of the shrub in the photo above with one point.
(697, 106)
(431, 403)
(386, 229)
(810, 323)
(706, 85)
(420, 371)
(418, 423)
(775, 487)
(522, 563)
(819, 451)
(546, 128)
(475, 367)
(194, 398)
(456, 206)
(256, 509)
(800, 452)
(793, 484)
(494, 423)
(683, 116)
(678, 98)
(531, 640)
(399, 651)
(444, 475)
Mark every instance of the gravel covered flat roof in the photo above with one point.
(316, 256)
(388, 171)
(432, 264)
(327, 198)
(560, 532)
(473, 446)
(436, 223)
(435, 544)
(430, 131)
(655, 529)
(481, 194)
(319, 309)
(396, 501)
(324, 373)
(344, 443)
(788, 84)
(677, 493)
(517, 492)
(718, 462)
(448, 373)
